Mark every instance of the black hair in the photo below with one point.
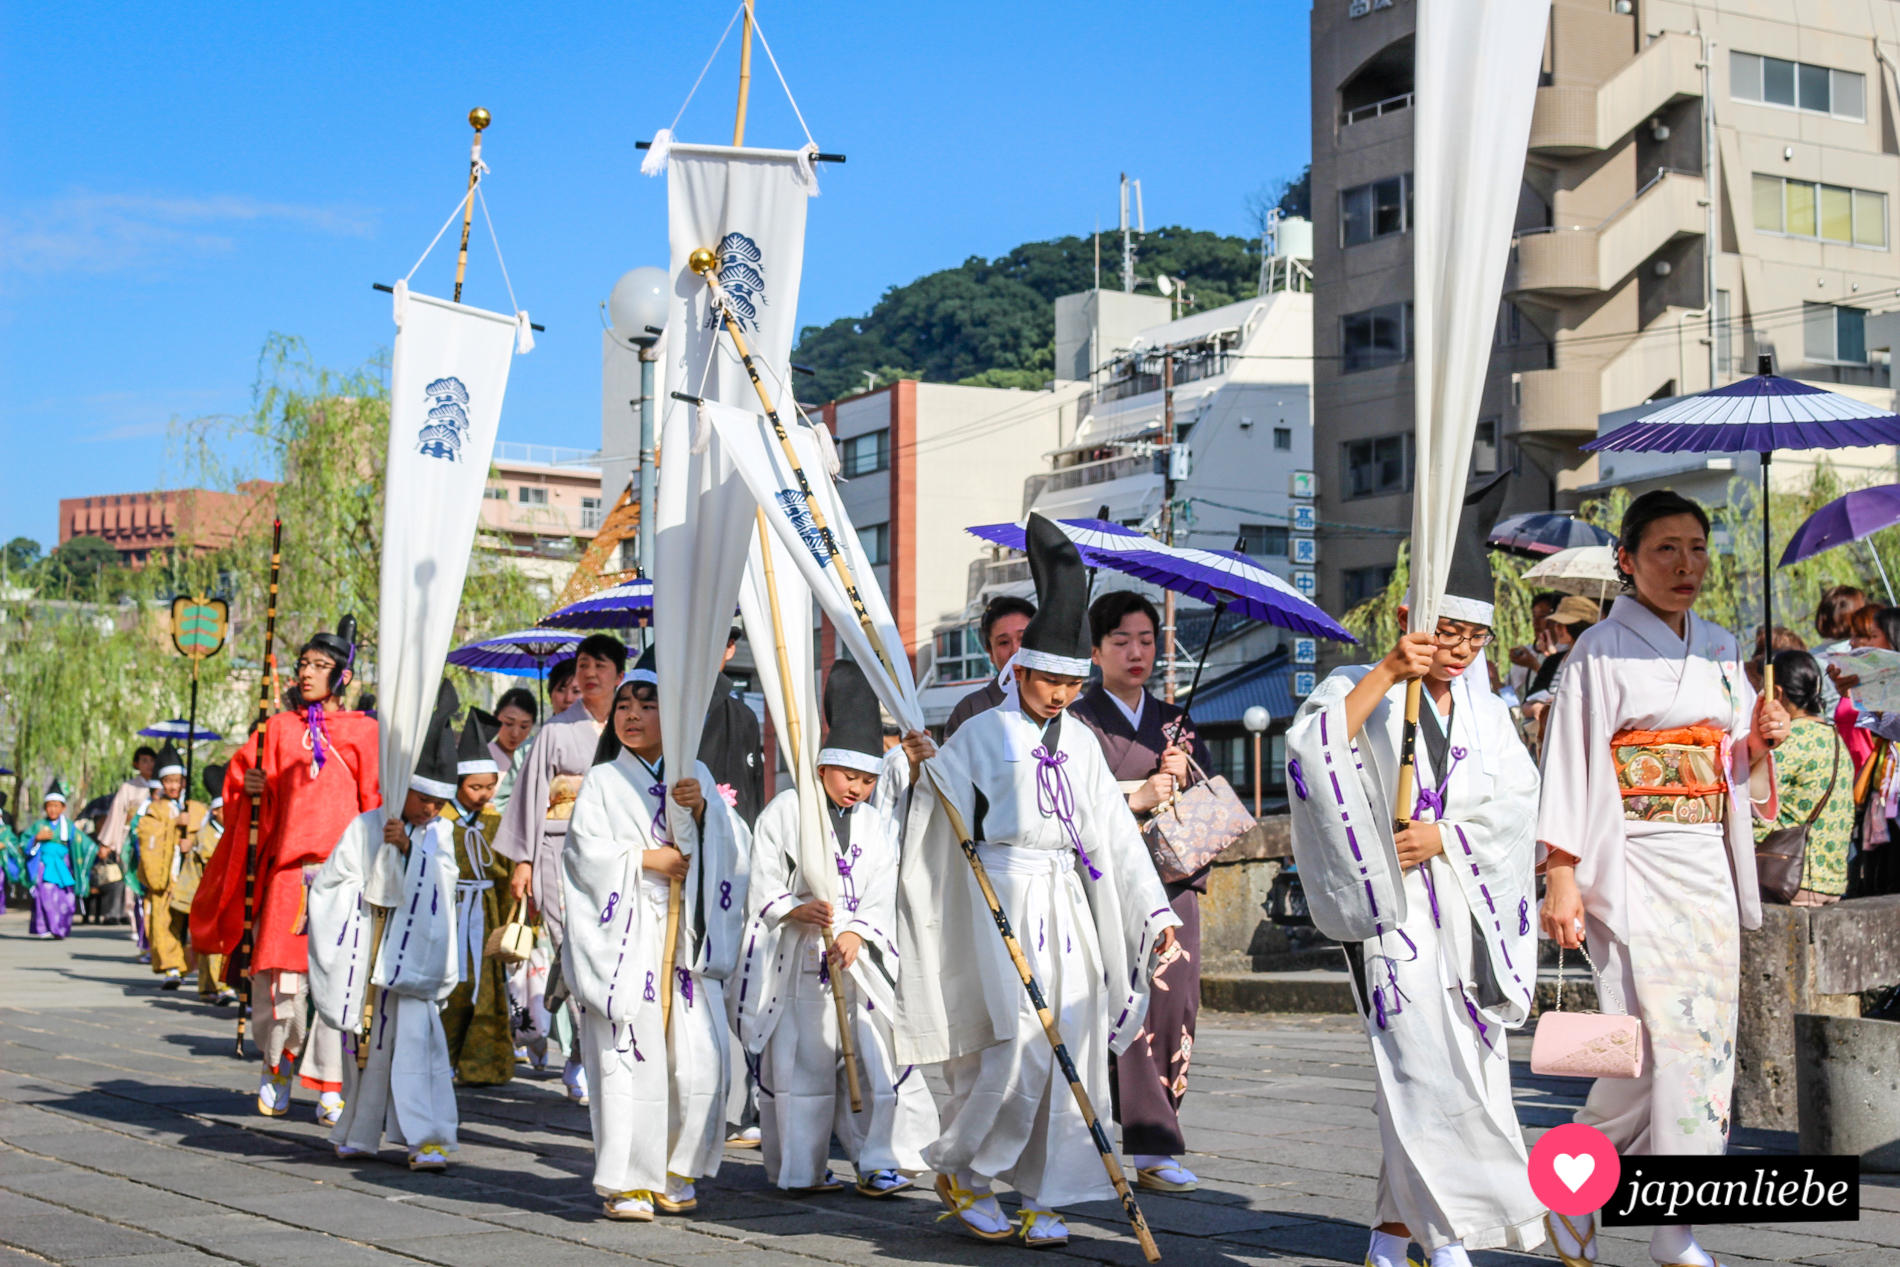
(1799, 676)
(1002, 605)
(1887, 620)
(560, 674)
(1107, 613)
(1658, 503)
(144, 750)
(609, 748)
(1549, 598)
(522, 698)
(734, 634)
(604, 647)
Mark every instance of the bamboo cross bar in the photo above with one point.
(674, 892)
(238, 967)
(1097, 1132)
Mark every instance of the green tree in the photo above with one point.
(81, 559)
(22, 555)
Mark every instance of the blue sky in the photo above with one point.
(179, 181)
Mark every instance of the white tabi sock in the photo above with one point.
(1387, 1250)
(989, 1215)
(1452, 1255)
(1675, 1243)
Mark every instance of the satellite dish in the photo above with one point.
(1164, 283)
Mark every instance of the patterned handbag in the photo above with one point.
(1586, 1044)
(1195, 827)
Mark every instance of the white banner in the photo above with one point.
(747, 206)
(753, 446)
(446, 384)
(1478, 62)
(794, 634)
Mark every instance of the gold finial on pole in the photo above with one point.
(702, 261)
(478, 119)
(745, 76)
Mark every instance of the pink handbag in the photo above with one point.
(1586, 1044)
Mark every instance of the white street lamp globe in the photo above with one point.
(1256, 719)
(639, 302)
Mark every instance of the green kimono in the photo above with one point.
(476, 1016)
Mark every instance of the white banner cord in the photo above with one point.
(708, 66)
(781, 81)
(445, 226)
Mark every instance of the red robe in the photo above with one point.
(300, 822)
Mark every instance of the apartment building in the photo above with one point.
(1703, 183)
(149, 527)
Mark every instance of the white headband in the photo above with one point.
(851, 759)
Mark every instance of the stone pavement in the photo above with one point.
(128, 1139)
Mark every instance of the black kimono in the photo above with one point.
(733, 749)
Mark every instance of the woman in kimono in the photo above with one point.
(1067, 864)
(786, 980)
(1148, 744)
(1435, 919)
(658, 1099)
(49, 852)
(1645, 839)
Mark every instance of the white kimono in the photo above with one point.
(788, 1021)
(1664, 901)
(1445, 954)
(1067, 862)
(616, 928)
(405, 1092)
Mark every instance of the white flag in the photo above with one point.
(747, 206)
(1477, 83)
(446, 384)
(752, 445)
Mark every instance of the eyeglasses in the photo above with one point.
(1477, 641)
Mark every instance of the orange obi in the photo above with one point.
(1671, 776)
(563, 789)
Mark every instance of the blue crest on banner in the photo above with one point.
(742, 277)
(798, 513)
(447, 428)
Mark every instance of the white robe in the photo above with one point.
(612, 958)
(1088, 940)
(788, 1020)
(1663, 902)
(1455, 1163)
(405, 1093)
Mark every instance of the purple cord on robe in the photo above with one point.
(1056, 799)
(319, 734)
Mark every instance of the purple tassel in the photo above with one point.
(1484, 1031)
(686, 985)
(1523, 916)
(606, 916)
(1056, 799)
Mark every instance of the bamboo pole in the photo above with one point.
(745, 76)
(238, 967)
(1408, 758)
(794, 724)
(1064, 1061)
(667, 960)
(478, 119)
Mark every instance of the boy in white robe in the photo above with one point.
(1067, 863)
(785, 984)
(400, 1086)
(1436, 921)
(657, 1103)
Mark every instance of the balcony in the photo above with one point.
(1559, 402)
(1359, 114)
(1579, 119)
(1574, 260)
(1085, 474)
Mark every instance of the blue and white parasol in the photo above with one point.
(625, 606)
(524, 653)
(177, 728)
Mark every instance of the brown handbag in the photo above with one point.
(1195, 827)
(1781, 856)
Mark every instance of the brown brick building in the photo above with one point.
(139, 525)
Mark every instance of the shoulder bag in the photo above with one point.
(1195, 827)
(1781, 856)
(1586, 1044)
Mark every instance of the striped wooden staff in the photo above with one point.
(238, 967)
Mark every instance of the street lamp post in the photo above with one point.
(1257, 719)
(637, 310)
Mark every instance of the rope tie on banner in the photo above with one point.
(655, 161)
(807, 170)
(524, 333)
(702, 430)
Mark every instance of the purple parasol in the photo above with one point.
(1540, 534)
(524, 653)
(179, 728)
(1224, 577)
(1859, 514)
(625, 606)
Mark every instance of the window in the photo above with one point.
(533, 496)
(876, 541)
(1484, 447)
(1263, 541)
(1276, 761)
(1231, 754)
(1378, 210)
(495, 494)
(1364, 583)
(960, 656)
(1831, 333)
(865, 454)
(1376, 337)
(1376, 467)
(1797, 86)
(1283, 439)
(590, 512)
(1832, 213)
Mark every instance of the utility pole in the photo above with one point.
(1167, 512)
(1712, 248)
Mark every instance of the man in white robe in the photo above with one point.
(787, 1015)
(1436, 921)
(1067, 863)
(658, 1098)
(400, 1086)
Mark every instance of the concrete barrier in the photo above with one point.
(1848, 1071)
